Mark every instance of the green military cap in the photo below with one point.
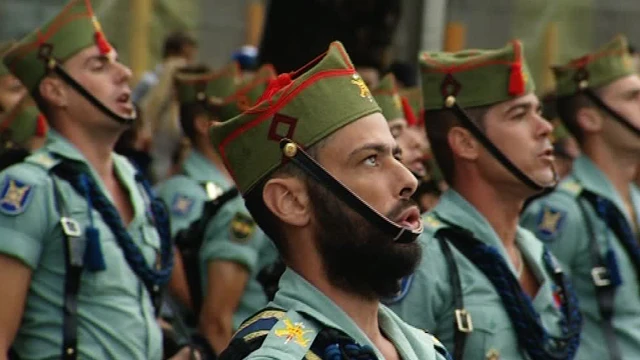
(595, 70)
(388, 98)
(213, 86)
(414, 99)
(247, 93)
(304, 107)
(22, 123)
(72, 30)
(474, 77)
(4, 47)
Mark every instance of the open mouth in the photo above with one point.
(548, 154)
(410, 218)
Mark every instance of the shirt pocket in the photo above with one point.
(492, 335)
(117, 278)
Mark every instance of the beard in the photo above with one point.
(357, 256)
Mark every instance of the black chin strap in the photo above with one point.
(54, 65)
(299, 157)
(612, 113)
(451, 104)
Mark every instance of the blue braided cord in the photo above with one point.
(617, 222)
(149, 276)
(531, 334)
(84, 182)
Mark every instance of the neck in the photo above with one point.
(363, 311)
(619, 167)
(206, 150)
(95, 148)
(501, 208)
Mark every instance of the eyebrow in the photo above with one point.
(524, 107)
(631, 92)
(100, 57)
(378, 148)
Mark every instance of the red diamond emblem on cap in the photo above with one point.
(282, 126)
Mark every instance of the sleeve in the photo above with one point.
(427, 293)
(232, 235)
(184, 205)
(25, 205)
(558, 221)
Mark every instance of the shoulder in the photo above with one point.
(273, 333)
(555, 215)
(181, 194)
(20, 184)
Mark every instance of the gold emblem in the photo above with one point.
(493, 354)
(397, 102)
(572, 186)
(182, 205)
(364, 90)
(293, 332)
(242, 227)
(432, 222)
(15, 195)
(550, 220)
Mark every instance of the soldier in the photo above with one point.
(22, 130)
(11, 89)
(485, 286)
(85, 248)
(590, 221)
(399, 115)
(318, 166)
(230, 250)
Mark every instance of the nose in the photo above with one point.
(544, 126)
(124, 74)
(405, 182)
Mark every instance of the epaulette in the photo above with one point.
(571, 187)
(274, 332)
(439, 347)
(432, 223)
(43, 159)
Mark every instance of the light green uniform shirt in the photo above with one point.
(428, 302)
(116, 316)
(300, 298)
(559, 221)
(186, 196)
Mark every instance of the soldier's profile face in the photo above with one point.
(105, 78)
(366, 158)
(412, 148)
(623, 96)
(357, 256)
(11, 91)
(518, 129)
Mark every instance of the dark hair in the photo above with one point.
(632, 49)
(190, 111)
(568, 107)
(438, 123)
(175, 42)
(404, 73)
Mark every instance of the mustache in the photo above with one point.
(402, 206)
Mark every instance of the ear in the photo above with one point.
(287, 198)
(589, 119)
(53, 92)
(462, 143)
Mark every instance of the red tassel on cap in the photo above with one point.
(408, 112)
(516, 80)
(100, 39)
(274, 86)
(41, 126)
